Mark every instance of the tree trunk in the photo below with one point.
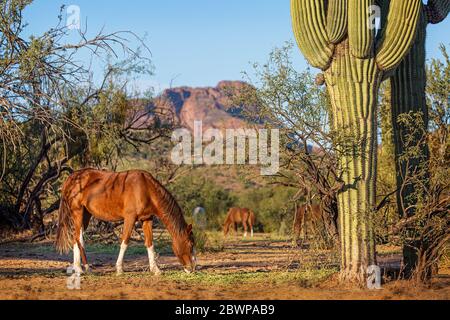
(331, 214)
(353, 85)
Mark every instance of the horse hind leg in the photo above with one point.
(86, 219)
(147, 226)
(126, 235)
(77, 258)
(79, 253)
(83, 251)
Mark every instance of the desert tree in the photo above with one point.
(54, 116)
(278, 96)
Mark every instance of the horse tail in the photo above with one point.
(65, 231)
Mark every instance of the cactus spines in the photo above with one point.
(338, 39)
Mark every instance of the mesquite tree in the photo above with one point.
(338, 37)
(408, 95)
(53, 116)
(282, 97)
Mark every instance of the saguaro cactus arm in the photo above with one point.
(308, 20)
(384, 6)
(337, 20)
(399, 33)
(437, 10)
(360, 33)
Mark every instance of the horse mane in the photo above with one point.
(172, 213)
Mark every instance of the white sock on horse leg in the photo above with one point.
(152, 260)
(81, 238)
(77, 259)
(245, 234)
(119, 263)
(251, 233)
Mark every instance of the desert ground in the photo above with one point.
(264, 267)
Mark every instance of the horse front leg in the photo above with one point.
(245, 228)
(126, 235)
(147, 226)
(226, 227)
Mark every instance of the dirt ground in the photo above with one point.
(261, 268)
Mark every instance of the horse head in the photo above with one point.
(184, 248)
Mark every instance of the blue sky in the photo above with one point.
(197, 42)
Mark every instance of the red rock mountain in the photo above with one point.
(210, 105)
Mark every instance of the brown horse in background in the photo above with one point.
(239, 215)
(127, 196)
(306, 214)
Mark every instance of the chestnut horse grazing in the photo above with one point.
(127, 196)
(239, 215)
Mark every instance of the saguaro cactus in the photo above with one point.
(337, 36)
(408, 95)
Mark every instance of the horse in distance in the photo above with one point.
(199, 217)
(129, 196)
(305, 214)
(236, 216)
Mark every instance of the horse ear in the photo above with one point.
(189, 228)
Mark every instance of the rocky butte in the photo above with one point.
(211, 105)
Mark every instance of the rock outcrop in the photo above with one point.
(210, 105)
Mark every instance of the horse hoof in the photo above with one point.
(119, 272)
(87, 269)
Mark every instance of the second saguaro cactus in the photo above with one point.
(408, 95)
(338, 37)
